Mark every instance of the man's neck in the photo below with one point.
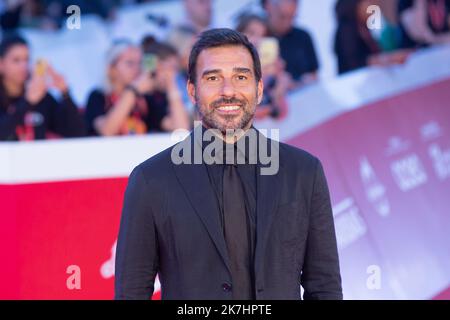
(231, 136)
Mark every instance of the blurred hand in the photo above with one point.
(274, 69)
(284, 82)
(56, 80)
(390, 58)
(269, 70)
(400, 56)
(36, 89)
(170, 79)
(166, 75)
(144, 83)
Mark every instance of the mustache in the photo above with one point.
(222, 101)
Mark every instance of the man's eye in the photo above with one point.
(211, 78)
(241, 77)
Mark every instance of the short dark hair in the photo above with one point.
(10, 40)
(221, 37)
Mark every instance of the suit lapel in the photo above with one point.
(195, 182)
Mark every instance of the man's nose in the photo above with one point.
(228, 88)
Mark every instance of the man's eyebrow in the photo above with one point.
(242, 70)
(207, 72)
(237, 69)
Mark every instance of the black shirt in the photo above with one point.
(247, 173)
(297, 50)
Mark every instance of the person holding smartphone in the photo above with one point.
(275, 78)
(125, 105)
(168, 110)
(27, 110)
(296, 44)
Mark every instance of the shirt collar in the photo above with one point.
(244, 150)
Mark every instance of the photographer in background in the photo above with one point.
(168, 110)
(27, 110)
(182, 39)
(296, 44)
(275, 78)
(126, 105)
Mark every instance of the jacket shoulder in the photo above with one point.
(156, 167)
(291, 155)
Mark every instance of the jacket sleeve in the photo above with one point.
(321, 275)
(137, 249)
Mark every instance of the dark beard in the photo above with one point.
(210, 121)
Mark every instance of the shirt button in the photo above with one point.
(226, 287)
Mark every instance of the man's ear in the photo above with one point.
(260, 90)
(191, 92)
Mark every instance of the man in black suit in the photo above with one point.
(217, 217)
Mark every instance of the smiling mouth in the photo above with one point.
(228, 108)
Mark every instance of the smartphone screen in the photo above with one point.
(268, 50)
(41, 67)
(149, 63)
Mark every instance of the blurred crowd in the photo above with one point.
(51, 14)
(144, 88)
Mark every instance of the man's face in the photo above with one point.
(226, 91)
(281, 14)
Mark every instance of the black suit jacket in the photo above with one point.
(170, 226)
